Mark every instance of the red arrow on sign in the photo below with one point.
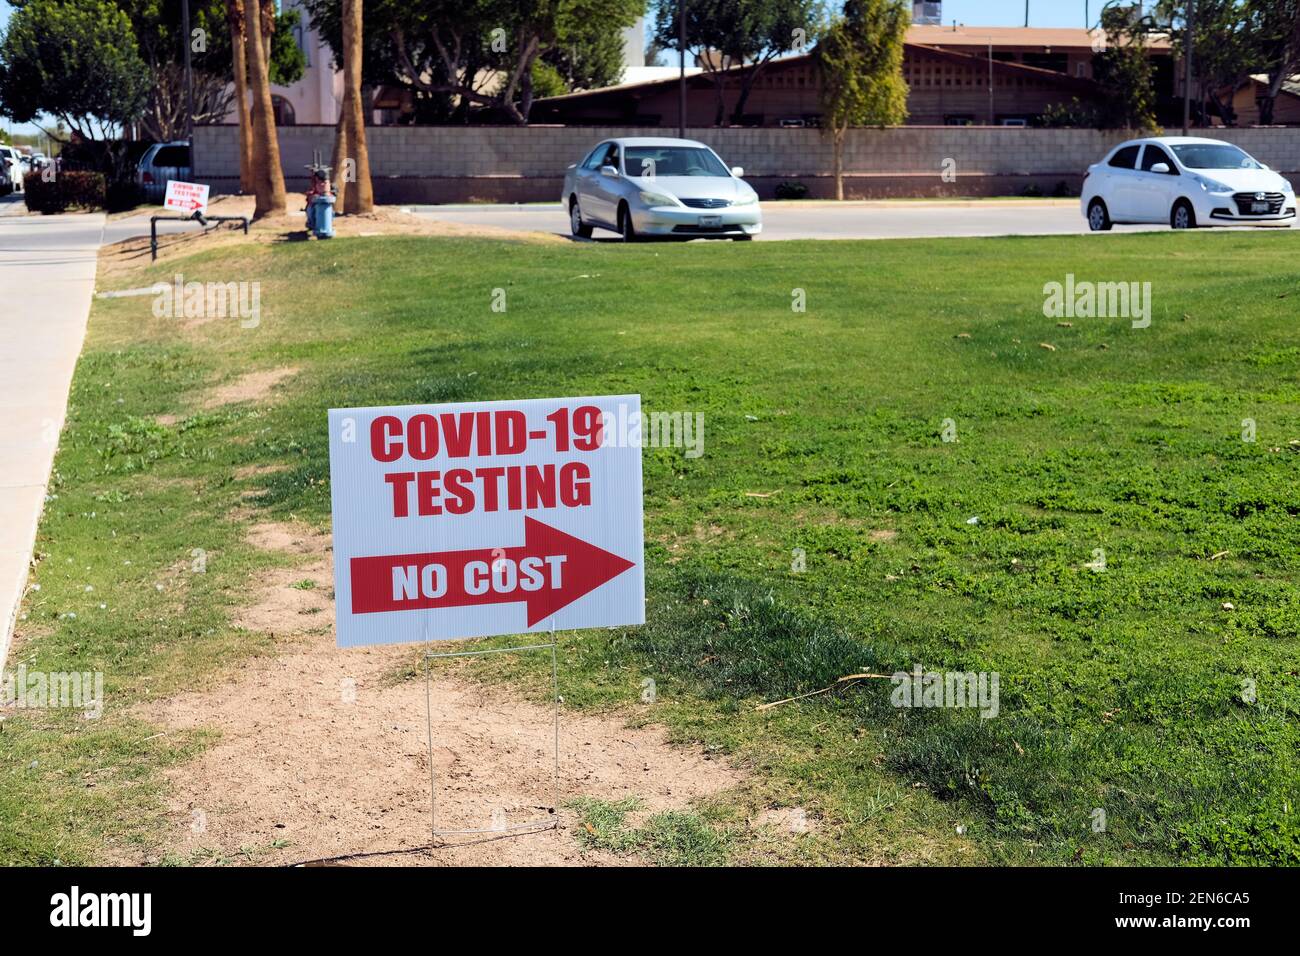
(550, 571)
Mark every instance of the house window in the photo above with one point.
(1058, 62)
(283, 110)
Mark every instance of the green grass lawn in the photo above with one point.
(1125, 690)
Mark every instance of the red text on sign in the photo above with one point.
(459, 491)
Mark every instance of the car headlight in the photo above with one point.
(1287, 187)
(746, 200)
(657, 199)
(1211, 186)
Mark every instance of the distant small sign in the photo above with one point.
(187, 198)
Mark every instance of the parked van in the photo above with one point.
(161, 162)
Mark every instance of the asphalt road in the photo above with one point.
(115, 230)
(849, 220)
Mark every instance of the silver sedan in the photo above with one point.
(649, 186)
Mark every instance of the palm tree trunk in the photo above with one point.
(338, 161)
(268, 177)
(268, 28)
(360, 198)
(235, 16)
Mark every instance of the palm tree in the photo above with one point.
(235, 17)
(337, 160)
(268, 177)
(359, 197)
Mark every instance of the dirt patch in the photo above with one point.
(118, 259)
(248, 472)
(296, 600)
(794, 820)
(321, 756)
(252, 387)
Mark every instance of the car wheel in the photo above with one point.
(1182, 216)
(1098, 216)
(626, 228)
(743, 237)
(576, 225)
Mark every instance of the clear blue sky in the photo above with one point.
(1011, 13)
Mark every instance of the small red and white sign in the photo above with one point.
(187, 198)
(485, 518)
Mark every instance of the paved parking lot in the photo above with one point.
(849, 220)
(817, 220)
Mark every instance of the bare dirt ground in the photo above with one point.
(322, 756)
(120, 258)
(251, 387)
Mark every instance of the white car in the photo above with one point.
(651, 186)
(1184, 181)
(13, 161)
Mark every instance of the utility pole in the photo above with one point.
(681, 65)
(189, 74)
(1187, 64)
(990, 81)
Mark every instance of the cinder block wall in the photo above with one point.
(514, 164)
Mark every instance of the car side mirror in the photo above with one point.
(738, 171)
(609, 171)
(1161, 168)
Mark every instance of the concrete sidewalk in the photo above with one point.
(47, 279)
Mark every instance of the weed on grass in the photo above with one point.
(670, 838)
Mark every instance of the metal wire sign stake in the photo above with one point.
(482, 519)
(551, 821)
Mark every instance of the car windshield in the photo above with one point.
(1213, 156)
(672, 161)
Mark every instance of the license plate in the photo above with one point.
(710, 222)
(1259, 207)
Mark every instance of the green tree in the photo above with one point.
(1124, 68)
(157, 25)
(1225, 48)
(587, 57)
(738, 38)
(860, 63)
(76, 60)
(1275, 27)
(458, 55)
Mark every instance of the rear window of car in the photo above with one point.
(172, 156)
(1126, 158)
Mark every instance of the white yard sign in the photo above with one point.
(485, 518)
(187, 198)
